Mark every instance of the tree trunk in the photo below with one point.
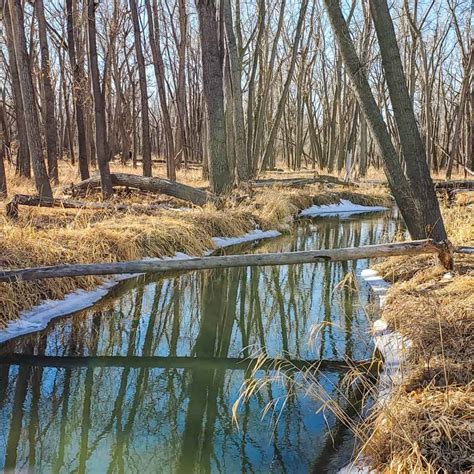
(161, 83)
(78, 91)
(99, 107)
(418, 174)
(181, 145)
(235, 80)
(146, 146)
(219, 174)
(23, 163)
(51, 131)
(403, 193)
(43, 185)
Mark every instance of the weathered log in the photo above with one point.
(415, 247)
(454, 184)
(152, 185)
(296, 182)
(35, 201)
(181, 362)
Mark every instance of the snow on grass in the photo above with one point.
(344, 207)
(37, 318)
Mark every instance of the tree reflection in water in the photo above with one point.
(142, 419)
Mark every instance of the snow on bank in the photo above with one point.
(222, 242)
(37, 318)
(344, 206)
(391, 345)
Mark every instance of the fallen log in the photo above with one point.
(181, 362)
(296, 182)
(153, 185)
(36, 201)
(415, 247)
(454, 184)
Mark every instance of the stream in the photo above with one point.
(145, 380)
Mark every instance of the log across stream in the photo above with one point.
(148, 378)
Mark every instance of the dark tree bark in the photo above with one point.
(99, 107)
(146, 146)
(240, 146)
(417, 171)
(79, 84)
(43, 185)
(51, 131)
(213, 86)
(23, 163)
(404, 194)
(180, 149)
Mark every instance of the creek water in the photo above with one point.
(145, 380)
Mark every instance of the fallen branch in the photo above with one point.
(455, 184)
(415, 247)
(153, 185)
(296, 182)
(35, 201)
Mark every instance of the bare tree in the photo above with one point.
(79, 84)
(146, 146)
(404, 192)
(43, 185)
(213, 83)
(51, 129)
(99, 106)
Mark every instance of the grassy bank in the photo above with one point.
(428, 425)
(43, 236)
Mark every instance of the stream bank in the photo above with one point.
(52, 236)
(181, 417)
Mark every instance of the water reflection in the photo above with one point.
(173, 414)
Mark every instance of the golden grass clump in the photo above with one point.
(430, 430)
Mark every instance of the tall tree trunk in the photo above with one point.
(404, 196)
(235, 82)
(23, 163)
(99, 107)
(146, 146)
(219, 174)
(181, 145)
(43, 185)
(48, 108)
(418, 173)
(161, 83)
(78, 92)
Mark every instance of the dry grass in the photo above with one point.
(428, 424)
(43, 236)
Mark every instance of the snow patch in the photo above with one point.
(222, 242)
(37, 318)
(344, 206)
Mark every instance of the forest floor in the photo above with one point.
(50, 236)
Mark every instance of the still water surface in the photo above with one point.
(153, 379)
